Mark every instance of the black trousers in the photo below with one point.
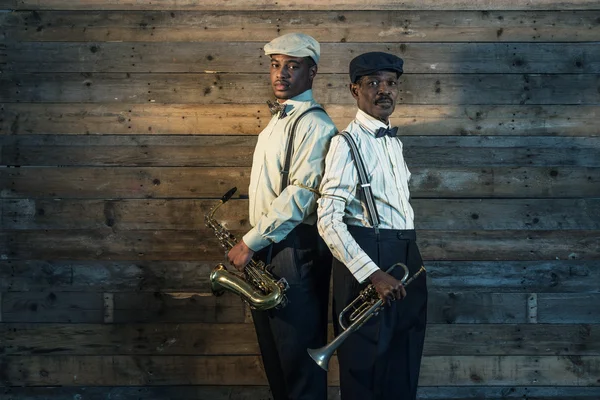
(284, 334)
(382, 359)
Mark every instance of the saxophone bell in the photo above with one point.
(217, 290)
(258, 287)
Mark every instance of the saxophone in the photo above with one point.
(257, 286)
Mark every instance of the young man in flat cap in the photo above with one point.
(367, 221)
(286, 173)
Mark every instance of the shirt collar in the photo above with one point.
(295, 102)
(371, 124)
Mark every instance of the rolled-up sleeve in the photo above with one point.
(298, 201)
(338, 186)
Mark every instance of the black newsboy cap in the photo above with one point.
(369, 63)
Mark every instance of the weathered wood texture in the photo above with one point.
(236, 151)
(57, 370)
(188, 214)
(203, 339)
(443, 89)
(141, 307)
(241, 5)
(242, 119)
(192, 182)
(147, 245)
(201, 57)
(538, 276)
(261, 392)
(344, 26)
(122, 122)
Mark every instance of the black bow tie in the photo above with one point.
(391, 132)
(276, 107)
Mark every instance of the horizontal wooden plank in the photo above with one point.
(538, 276)
(127, 370)
(515, 392)
(76, 307)
(241, 119)
(110, 276)
(552, 309)
(445, 307)
(124, 182)
(490, 214)
(242, 5)
(73, 307)
(348, 24)
(430, 214)
(202, 182)
(532, 371)
(165, 245)
(247, 370)
(140, 339)
(149, 393)
(240, 339)
(262, 392)
(250, 119)
(130, 150)
(433, 58)
(509, 245)
(208, 88)
(236, 151)
(552, 276)
(474, 308)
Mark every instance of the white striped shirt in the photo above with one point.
(340, 203)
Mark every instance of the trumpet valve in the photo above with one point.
(368, 293)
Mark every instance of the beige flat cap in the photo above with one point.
(295, 45)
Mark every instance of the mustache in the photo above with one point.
(381, 98)
(281, 81)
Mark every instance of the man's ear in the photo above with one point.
(354, 90)
(312, 72)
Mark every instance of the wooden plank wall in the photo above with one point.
(122, 121)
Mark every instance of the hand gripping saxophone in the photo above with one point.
(257, 286)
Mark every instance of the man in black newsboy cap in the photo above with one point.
(366, 219)
(369, 63)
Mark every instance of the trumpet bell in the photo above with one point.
(321, 356)
(363, 308)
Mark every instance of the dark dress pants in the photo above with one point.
(381, 361)
(285, 334)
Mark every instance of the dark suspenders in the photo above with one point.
(363, 180)
(285, 172)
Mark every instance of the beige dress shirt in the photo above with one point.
(340, 203)
(274, 212)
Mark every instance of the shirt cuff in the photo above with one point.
(255, 241)
(362, 267)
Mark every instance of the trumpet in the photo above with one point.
(365, 306)
(257, 286)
